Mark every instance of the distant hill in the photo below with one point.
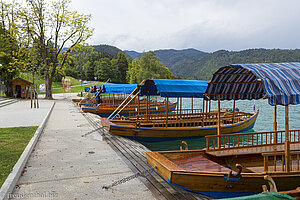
(106, 48)
(209, 64)
(195, 64)
(133, 54)
(180, 62)
(175, 60)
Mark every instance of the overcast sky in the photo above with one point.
(206, 25)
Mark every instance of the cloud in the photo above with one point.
(207, 25)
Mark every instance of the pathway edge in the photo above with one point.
(12, 179)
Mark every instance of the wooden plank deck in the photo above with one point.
(134, 155)
(251, 150)
(199, 163)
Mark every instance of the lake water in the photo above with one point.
(263, 123)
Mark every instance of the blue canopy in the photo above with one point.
(116, 88)
(174, 88)
(279, 82)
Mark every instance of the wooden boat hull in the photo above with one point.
(211, 181)
(105, 112)
(174, 133)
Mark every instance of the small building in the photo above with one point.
(21, 87)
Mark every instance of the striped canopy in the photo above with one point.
(279, 82)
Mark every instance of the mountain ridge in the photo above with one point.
(201, 65)
(191, 63)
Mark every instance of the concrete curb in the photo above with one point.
(12, 179)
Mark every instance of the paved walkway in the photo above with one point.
(21, 114)
(65, 165)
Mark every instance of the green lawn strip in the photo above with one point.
(75, 89)
(74, 81)
(12, 144)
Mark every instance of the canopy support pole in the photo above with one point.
(209, 106)
(206, 109)
(287, 141)
(192, 105)
(219, 123)
(177, 108)
(203, 106)
(233, 111)
(138, 104)
(180, 107)
(147, 106)
(275, 125)
(167, 109)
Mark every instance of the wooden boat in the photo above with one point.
(157, 128)
(201, 172)
(293, 193)
(235, 164)
(111, 93)
(105, 109)
(181, 123)
(134, 106)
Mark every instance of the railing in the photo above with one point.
(246, 140)
(155, 114)
(155, 108)
(197, 115)
(275, 162)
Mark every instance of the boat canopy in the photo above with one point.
(174, 88)
(116, 88)
(279, 82)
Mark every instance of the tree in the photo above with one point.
(88, 68)
(54, 27)
(121, 64)
(148, 66)
(13, 54)
(104, 70)
(133, 71)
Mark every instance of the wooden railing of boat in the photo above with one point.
(273, 159)
(247, 140)
(131, 105)
(186, 113)
(189, 119)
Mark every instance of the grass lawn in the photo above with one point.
(75, 89)
(12, 144)
(41, 80)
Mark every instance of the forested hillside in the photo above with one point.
(186, 63)
(208, 65)
(107, 49)
(194, 64)
(178, 61)
(105, 62)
